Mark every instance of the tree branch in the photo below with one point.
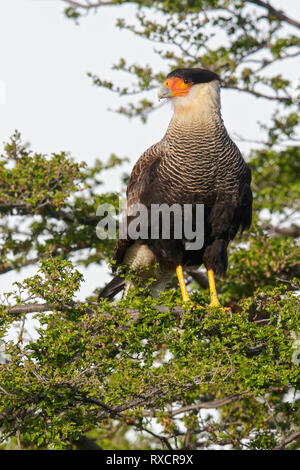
(279, 14)
(282, 99)
(5, 269)
(88, 5)
(208, 404)
(274, 12)
(163, 439)
(292, 231)
(37, 308)
(287, 440)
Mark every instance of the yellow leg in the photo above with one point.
(214, 301)
(184, 292)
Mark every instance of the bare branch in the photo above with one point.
(287, 440)
(293, 231)
(34, 308)
(204, 405)
(282, 99)
(46, 307)
(163, 439)
(279, 14)
(274, 12)
(5, 269)
(89, 5)
(4, 392)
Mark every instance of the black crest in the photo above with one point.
(194, 75)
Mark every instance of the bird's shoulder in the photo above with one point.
(149, 158)
(146, 159)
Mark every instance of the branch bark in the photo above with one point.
(89, 5)
(287, 440)
(279, 14)
(208, 404)
(292, 231)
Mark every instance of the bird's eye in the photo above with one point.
(185, 81)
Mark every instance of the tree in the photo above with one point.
(99, 370)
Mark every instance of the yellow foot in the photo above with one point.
(190, 304)
(195, 306)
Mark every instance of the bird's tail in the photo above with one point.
(113, 288)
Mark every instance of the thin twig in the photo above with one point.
(88, 5)
(163, 439)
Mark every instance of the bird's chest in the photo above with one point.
(195, 171)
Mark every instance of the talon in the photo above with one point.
(225, 309)
(195, 306)
(214, 301)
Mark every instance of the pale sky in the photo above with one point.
(45, 92)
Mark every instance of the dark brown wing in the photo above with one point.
(134, 190)
(136, 183)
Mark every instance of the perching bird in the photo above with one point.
(196, 162)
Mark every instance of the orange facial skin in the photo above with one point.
(177, 86)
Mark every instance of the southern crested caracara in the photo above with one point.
(196, 162)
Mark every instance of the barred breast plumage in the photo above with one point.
(196, 162)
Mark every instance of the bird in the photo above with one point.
(195, 163)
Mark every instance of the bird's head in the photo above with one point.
(189, 87)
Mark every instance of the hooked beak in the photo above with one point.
(164, 92)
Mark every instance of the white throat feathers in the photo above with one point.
(201, 103)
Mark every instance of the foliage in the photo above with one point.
(232, 38)
(181, 377)
(48, 205)
(91, 364)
